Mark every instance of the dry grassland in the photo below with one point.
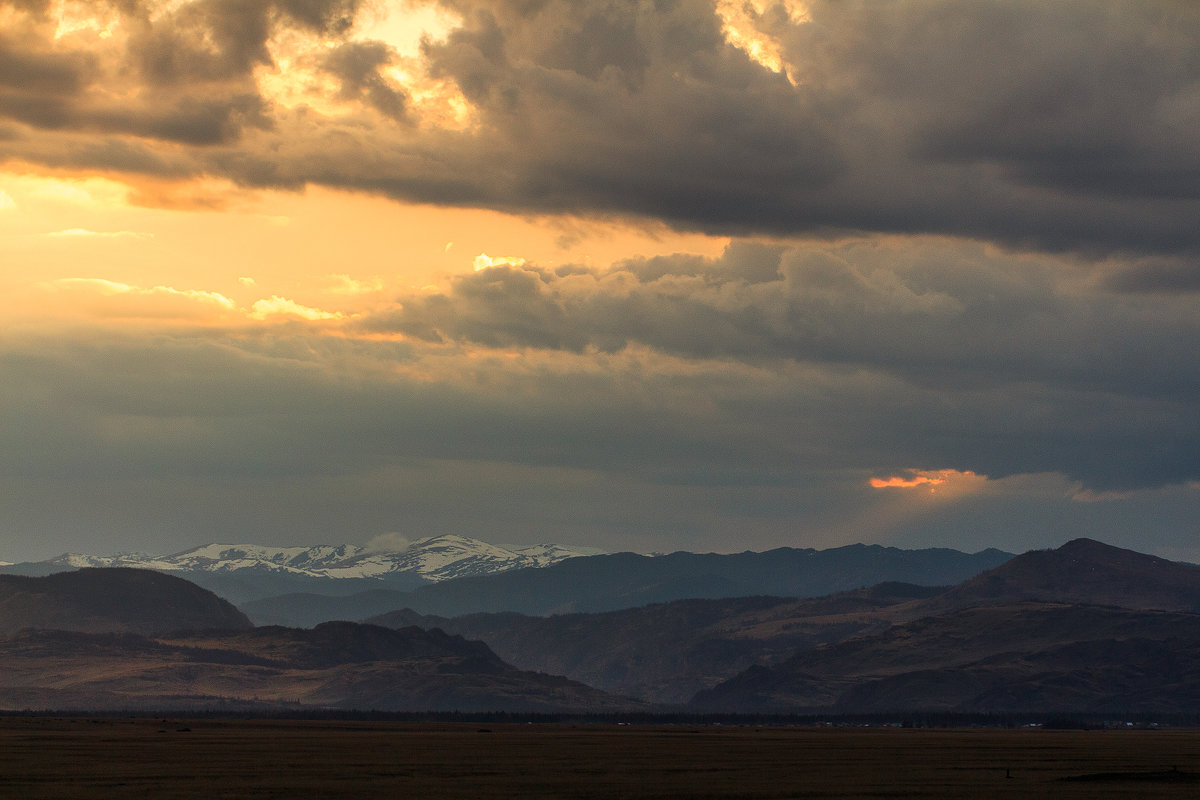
(64, 758)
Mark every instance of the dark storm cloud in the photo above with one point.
(218, 40)
(1156, 275)
(937, 313)
(323, 16)
(656, 116)
(983, 361)
(260, 416)
(676, 392)
(1079, 96)
(1062, 126)
(42, 72)
(1075, 113)
(1065, 126)
(356, 65)
(190, 120)
(194, 65)
(190, 408)
(38, 87)
(213, 40)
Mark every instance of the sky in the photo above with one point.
(642, 275)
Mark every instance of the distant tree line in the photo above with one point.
(922, 719)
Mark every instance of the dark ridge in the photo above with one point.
(594, 584)
(1173, 775)
(1082, 571)
(103, 600)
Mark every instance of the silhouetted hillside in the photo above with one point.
(975, 658)
(1008, 639)
(336, 665)
(667, 652)
(106, 600)
(627, 580)
(1081, 571)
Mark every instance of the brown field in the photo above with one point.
(65, 758)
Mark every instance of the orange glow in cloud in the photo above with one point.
(276, 306)
(896, 482)
(742, 27)
(944, 479)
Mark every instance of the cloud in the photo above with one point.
(964, 242)
(924, 309)
(300, 431)
(962, 355)
(388, 543)
(83, 233)
(1158, 275)
(122, 300)
(357, 66)
(281, 306)
(1062, 127)
(942, 485)
(484, 261)
(344, 284)
(900, 482)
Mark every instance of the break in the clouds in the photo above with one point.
(1066, 125)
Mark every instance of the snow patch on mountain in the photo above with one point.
(436, 558)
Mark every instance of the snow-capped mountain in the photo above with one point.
(437, 558)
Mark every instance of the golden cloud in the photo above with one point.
(958, 482)
(276, 306)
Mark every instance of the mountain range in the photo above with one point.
(666, 652)
(628, 580)
(333, 666)
(1086, 627)
(884, 648)
(1083, 628)
(242, 572)
(121, 638)
(1023, 657)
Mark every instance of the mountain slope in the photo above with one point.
(667, 652)
(627, 580)
(1016, 634)
(975, 658)
(337, 665)
(321, 567)
(1081, 571)
(112, 600)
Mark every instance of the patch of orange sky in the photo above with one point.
(943, 480)
(69, 242)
